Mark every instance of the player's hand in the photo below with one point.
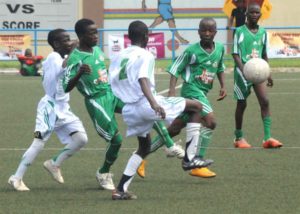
(159, 111)
(222, 94)
(270, 82)
(84, 69)
(171, 93)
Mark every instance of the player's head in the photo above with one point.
(207, 30)
(253, 13)
(138, 33)
(28, 52)
(240, 3)
(86, 31)
(60, 41)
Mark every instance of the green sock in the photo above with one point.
(204, 140)
(162, 131)
(238, 134)
(156, 143)
(267, 127)
(111, 153)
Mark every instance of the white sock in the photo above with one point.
(28, 157)
(132, 165)
(79, 139)
(192, 136)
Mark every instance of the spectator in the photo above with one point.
(238, 14)
(29, 64)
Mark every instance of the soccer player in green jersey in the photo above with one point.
(198, 66)
(250, 41)
(87, 71)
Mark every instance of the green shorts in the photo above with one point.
(102, 112)
(242, 87)
(199, 95)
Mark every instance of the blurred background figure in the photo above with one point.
(238, 14)
(30, 64)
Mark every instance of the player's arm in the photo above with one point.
(270, 82)
(221, 77)
(83, 69)
(176, 69)
(145, 86)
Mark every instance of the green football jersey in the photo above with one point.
(198, 68)
(249, 45)
(91, 84)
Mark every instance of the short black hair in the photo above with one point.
(137, 30)
(53, 35)
(81, 25)
(207, 19)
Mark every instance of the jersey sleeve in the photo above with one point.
(221, 66)
(70, 71)
(235, 45)
(145, 65)
(179, 64)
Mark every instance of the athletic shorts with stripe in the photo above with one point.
(242, 87)
(56, 117)
(102, 112)
(140, 117)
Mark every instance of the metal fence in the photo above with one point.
(39, 36)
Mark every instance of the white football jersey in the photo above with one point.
(132, 64)
(52, 77)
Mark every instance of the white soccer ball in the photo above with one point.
(256, 70)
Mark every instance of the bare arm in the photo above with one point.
(84, 68)
(238, 62)
(222, 92)
(270, 82)
(144, 83)
(172, 90)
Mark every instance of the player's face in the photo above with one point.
(207, 31)
(145, 40)
(64, 44)
(90, 37)
(253, 13)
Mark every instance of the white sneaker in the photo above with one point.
(54, 171)
(17, 184)
(175, 150)
(105, 180)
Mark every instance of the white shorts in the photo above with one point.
(56, 117)
(140, 117)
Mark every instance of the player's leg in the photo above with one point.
(206, 132)
(191, 160)
(121, 192)
(101, 111)
(44, 126)
(72, 135)
(241, 92)
(261, 94)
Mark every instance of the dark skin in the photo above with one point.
(192, 106)
(253, 14)
(207, 31)
(86, 44)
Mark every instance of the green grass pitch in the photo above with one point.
(248, 181)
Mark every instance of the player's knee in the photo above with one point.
(81, 138)
(117, 139)
(211, 125)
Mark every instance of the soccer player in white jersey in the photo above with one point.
(132, 80)
(53, 114)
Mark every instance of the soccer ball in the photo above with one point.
(256, 70)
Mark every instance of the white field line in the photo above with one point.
(134, 148)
